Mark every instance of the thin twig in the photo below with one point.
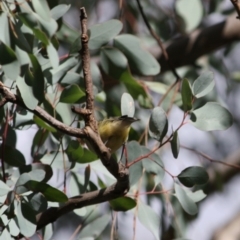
(4, 138)
(84, 52)
(236, 5)
(157, 38)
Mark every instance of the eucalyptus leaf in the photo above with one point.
(102, 33)
(59, 10)
(203, 84)
(113, 62)
(139, 59)
(127, 105)
(186, 202)
(175, 144)
(134, 150)
(27, 94)
(148, 217)
(212, 116)
(71, 94)
(186, 95)
(122, 204)
(95, 228)
(193, 176)
(158, 124)
(50, 193)
(26, 219)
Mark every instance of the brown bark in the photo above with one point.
(186, 50)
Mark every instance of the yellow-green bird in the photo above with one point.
(114, 131)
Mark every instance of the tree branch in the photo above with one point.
(89, 132)
(120, 188)
(236, 5)
(186, 50)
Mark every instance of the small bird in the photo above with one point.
(114, 131)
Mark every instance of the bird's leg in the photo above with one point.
(124, 150)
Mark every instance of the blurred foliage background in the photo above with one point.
(40, 63)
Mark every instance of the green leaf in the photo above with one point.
(74, 150)
(3, 208)
(186, 202)
(42, 9)
(101, 34)
(13, 228)
(22, 120)
(158, 124)
(50, 193)
(95, 228)
(140, 60)
(38, 166)
(29, 19)
(186, 95)
(175, 145)
(203, 84)
(27, 94)
(13, 157)
(58, 11)
(127, 105)
(196, 196)
(38, 202)
(134, 150)
(71, 94)
(87, 157)
(59, 73)
(212, 116)
(40, 35)
(25, 219)
(5, 234)
(67, 34)
(4, 30)
(96, 76)
(149, 219)
(43, 124)
(38, 78)
(122, 204)
(193, 176)
(53, 55)
(192, 13)
(20, 39)
(134, 88)
(4, 189)
(153, 165)
(7, 55)
(113, 62)
(37, 175)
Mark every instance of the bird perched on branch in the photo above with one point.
(114, 131)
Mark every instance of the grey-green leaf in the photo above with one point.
(113, 62)
(149, 219)
(127, 105)
(4, 189)
(95, 228)
(26, 219)
(186, 202)
(175, 145)
(186, 95)
(139, 59)
(158, 124)
(27, 94)
(102, 33)
(212, 116)
(193, 176)
(203, 84)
